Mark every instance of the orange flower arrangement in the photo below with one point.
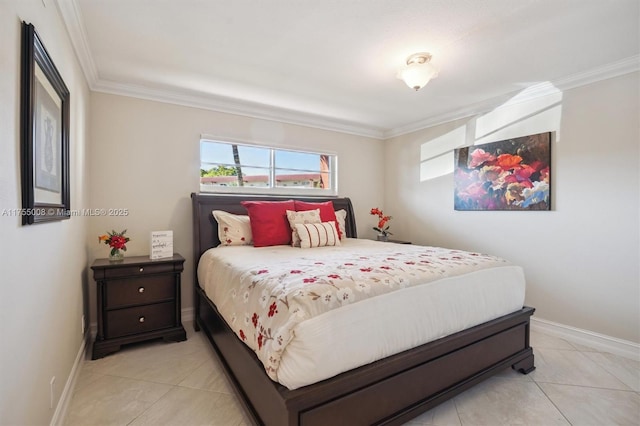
(382, 228)
(116, 240)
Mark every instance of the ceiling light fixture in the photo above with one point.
(418, 71)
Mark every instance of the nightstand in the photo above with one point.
(399, 241)
(394, 241)
(138, 299)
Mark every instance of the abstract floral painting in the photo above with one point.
(513, 174)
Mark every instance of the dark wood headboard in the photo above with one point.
(205, 227)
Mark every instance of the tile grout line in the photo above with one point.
(173, 387)
(606, 367)
(587, 387)
(599, 366)
(151, 381)
(456, 407)
(190, 373)
(151, 405)
(137, 379)
(552, 402)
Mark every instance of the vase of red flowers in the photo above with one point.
(117, 241)
(383, 227)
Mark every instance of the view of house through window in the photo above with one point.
(234, 167)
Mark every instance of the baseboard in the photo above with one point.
(67, 393)
(188, 314)
(588, 338)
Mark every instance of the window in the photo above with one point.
(243, 168)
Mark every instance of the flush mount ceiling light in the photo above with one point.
(418, 71)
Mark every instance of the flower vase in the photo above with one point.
(116, 255)
(383, 237)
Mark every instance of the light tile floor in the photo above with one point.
(159, 383)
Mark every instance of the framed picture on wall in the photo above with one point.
(513, 174)
(44, 134)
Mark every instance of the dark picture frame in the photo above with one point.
(512, 174)
(44, 134)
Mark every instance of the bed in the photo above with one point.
(389, 391)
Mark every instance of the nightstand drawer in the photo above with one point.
(132, 271)
(123, 322)
(142, 290)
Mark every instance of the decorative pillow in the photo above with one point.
(269, 224)
(327, 213)
(309, 216)
(233, 229)
(341, 219)
(318, 234)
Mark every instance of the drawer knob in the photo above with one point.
(141, 319)
(141, 269)
(140, 289)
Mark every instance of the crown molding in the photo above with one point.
(72, 17)
(238, 107)
(614, 69)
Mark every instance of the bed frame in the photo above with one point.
(390, 391)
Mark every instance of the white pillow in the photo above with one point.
(318, 234)
(233, 229)
(341, 217)
(307, 216)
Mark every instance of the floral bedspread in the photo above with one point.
(276, 288)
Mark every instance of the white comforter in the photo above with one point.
(310, 314)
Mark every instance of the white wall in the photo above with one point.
(581, 259)
(145, 158)
(44, 265)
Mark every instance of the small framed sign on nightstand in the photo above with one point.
(161, 244)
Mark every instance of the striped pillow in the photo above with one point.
(317, 234)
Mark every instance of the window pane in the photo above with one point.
(295, 178)
(218, 175)
(214, 152)
(225, 164)
(225, 153)
(255, 177)
(298, 160)
(231, 176)
(253, 156)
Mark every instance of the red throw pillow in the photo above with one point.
(327, 212)
(269, 223)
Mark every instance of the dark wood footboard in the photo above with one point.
(387, 392)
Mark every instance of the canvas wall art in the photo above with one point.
(513, 174)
